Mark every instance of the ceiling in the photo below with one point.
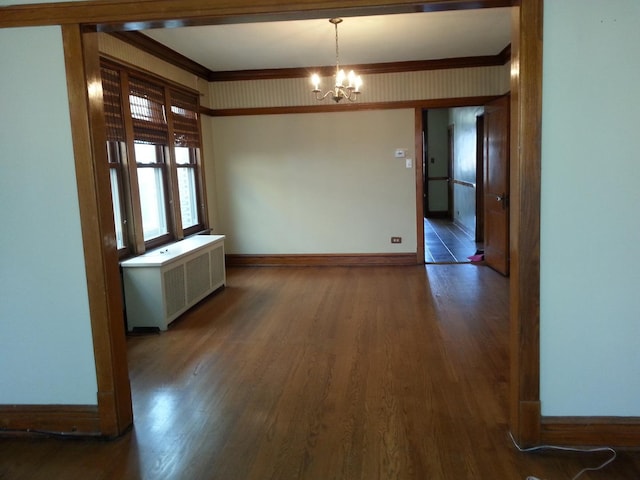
(363, 40)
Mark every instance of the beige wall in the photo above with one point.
(316, 183)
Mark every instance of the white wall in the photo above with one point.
(590, 267)
(46, 348)
(464, 164)
(316, 183)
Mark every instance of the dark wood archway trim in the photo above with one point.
(132, 15)
(526, 115)
(98, 234)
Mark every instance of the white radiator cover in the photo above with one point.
(162, 284)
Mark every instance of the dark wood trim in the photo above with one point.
(611, 431)
(114, 15)
(98, 230)
(526, 114)
(337, 259)
(81, 420)
(209, 112)
(322, 108)
(463, 183)
(419, 163)
(479, 233)
(363, 69)
(505, 55)
(157, 49)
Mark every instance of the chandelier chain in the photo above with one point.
(337, 49)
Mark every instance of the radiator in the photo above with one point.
(162, 284)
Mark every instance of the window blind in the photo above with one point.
(111, 91)
(184, 114)
(148, 112)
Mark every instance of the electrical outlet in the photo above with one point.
(396, 239)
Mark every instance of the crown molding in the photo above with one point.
(157, 49)
(363, 69)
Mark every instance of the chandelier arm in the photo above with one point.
(321, 96)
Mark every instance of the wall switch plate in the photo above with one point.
(400, 153)
(409, 163)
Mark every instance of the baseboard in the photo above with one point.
(78, 420)
(322, 260)
(609, 431)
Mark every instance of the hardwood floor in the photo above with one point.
(320, 373)
(446, 242)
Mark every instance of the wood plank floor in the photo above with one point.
(446, 242)
(320, 373)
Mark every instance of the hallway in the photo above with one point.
(445, 242)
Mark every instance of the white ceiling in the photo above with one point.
(363, 40)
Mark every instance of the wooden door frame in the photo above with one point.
(479, 236)
(526, 107)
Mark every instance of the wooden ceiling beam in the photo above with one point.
(118, 15)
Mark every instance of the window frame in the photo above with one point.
(194, 166)
(115, 151)
(127, 168)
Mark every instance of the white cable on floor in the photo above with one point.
(569, 449)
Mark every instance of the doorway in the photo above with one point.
(452, 174)
(526, 50)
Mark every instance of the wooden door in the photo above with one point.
(496, 184)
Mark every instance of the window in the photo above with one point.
(153, 146)
(186, 169)
(152, 191)
(115, 148)
(186, 142)
(115, 175)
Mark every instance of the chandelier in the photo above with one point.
(346, 85)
